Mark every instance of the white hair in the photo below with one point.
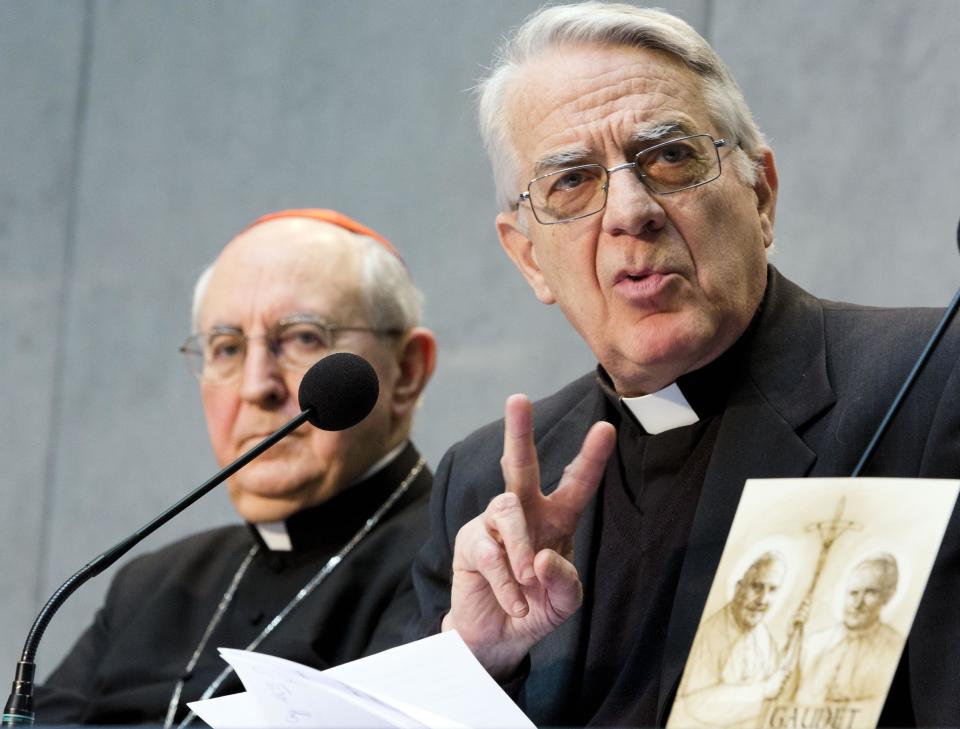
(596, 23)
(199, 293)
(389, 296)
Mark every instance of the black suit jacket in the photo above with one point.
(819, 377)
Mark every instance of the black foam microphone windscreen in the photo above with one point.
(339, 391)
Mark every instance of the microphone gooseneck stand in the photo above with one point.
(911, 378)
(19, 707)
(335, 393)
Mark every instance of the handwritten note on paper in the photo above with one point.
(435, 682)
(303, 696)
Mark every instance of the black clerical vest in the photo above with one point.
(647, 502)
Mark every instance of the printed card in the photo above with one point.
(813, 598)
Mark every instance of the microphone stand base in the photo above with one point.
(19, 708)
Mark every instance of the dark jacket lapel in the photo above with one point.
(785, 386)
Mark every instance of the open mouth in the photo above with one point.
(642, 285)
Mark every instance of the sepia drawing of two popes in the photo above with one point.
(812, 602)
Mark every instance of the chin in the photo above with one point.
(271, 499)
(278, 477)
(256, 509)
(673, 337)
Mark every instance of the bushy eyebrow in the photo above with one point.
(297, 318)
(661, 131)
(558, 160)
(224, 329)
(582, 155)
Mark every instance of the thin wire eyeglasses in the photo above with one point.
(295, 342)
(670, 166)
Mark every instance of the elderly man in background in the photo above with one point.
(573, 544)
(334, 519)
(851, 661)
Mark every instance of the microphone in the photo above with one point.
(911, 377)
(336, 393)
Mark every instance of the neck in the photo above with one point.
(332, 521)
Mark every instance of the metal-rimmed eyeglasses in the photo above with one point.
(295, 342)
(664, 168)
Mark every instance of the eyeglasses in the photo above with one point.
(668, 167)
(296, 343)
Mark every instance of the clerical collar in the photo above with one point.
(330, 522)
(694, 396)
(663, 410)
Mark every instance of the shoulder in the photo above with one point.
(547, 412)
(194, 545)
(560, 421)
(716, 627)
(857, 329)
(198, 555)
(874, 327)
(859, 333)
(871, 350)
(889, 638)
(858, 356)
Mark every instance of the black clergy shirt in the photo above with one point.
(648, 499)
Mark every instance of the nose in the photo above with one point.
(262, 380)
(631, 208)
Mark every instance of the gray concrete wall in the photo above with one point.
(139, 136)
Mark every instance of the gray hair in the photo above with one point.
(390, 298)
(890, 572)
(596, 23)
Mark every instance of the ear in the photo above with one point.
(521, 251)
(766, 189)
(416, 360)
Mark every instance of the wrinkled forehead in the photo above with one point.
(581, 96)
(283, 267)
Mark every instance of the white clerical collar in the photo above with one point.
(274, 533)
(662, 410)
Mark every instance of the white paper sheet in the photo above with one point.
(438, 674)
(432, 683)
(237, 711)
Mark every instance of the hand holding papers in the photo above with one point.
(431, 683)
(812, 601)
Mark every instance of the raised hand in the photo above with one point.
(513, 576)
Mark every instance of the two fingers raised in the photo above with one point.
(502, 543)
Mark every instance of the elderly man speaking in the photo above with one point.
(335, 518)
(573, 544)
